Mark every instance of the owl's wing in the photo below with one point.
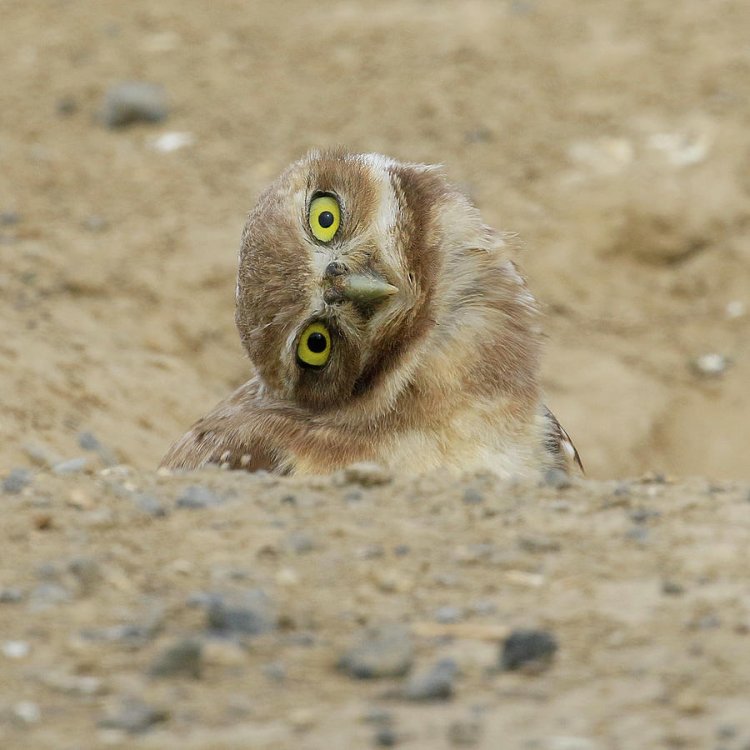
(232, 435)
(559, 445)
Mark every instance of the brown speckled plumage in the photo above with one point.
(443, 371)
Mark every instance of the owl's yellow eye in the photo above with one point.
(314, 346)
(324, 217)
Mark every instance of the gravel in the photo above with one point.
(449, 614)
(133, 101)
(149, 505)
(71, 465)
(16, 481)
(134, 716)
(251, 613)
(434, 683)
(386, 737)
(557, 479)
(181, 659)
(10, 595)
(87, 573)
(464, 733)
(527, 647)
(48, 594)
(472, 496)
(197, 496)
(383, 651)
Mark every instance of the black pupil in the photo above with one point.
(325, 219)
(316, 343)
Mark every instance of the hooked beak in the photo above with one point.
(360, 288)
(357, 287)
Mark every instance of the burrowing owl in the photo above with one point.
(385, 322)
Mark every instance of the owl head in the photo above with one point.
(357, 271)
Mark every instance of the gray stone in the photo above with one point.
(464, 733)
(384, 651)
(275, 671)
(197, 496)
(449, 614)
(526, 647)
(537, 544)
(88, 441)
(181, 659)
(9, 218)
(149, 505)
(10, 596)
(672, 588)
(249, 614)
(41, 455)
(300, 542)
(47, 595)
(133, 101)
(87, 572)
(134, 717)
(71, 466)
(386, 737)
(434, 683)
(557, 478)
(472, 496)
(16, 481)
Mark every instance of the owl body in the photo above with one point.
(386, 323)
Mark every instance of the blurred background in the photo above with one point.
(612, 137)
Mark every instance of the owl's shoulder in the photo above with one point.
(233, 435)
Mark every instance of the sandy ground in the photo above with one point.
(614, 138)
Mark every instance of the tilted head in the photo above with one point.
(347, 263)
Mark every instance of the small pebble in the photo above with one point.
(166, 143)
(27, 712)
(449, 614)
(250, 614)
(134, 717)
(196, 496)
(386, 737)
(94, 223)
(16, 481)
(73, 684)
(16, 649)
(434, 683)
(638, 534)
(181, 659)
(472, 496)
(710, 365)
(47, 595)
(133, 101)
(525, 647)
(149, 505)
(672, 588)
(71, 466)
(275, 671)
(66, 106)
(538, 544)
(10, 596)
(88, 441)
(569, 743)
(384, 651)
(9, 218)
(87, 572)
(464, 733)
(300, 542)
(557, 478)
(40, 455)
